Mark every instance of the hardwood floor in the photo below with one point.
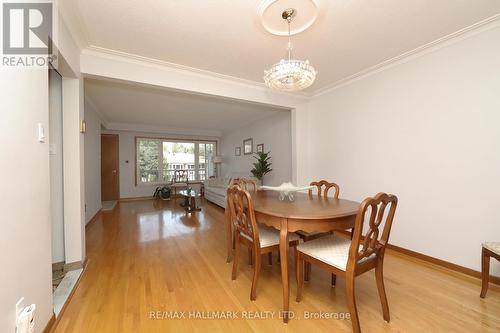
(147, 257)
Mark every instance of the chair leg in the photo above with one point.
(307, 271)
(485, 272)
(236, 256)
(250, 261)
(299, 265)
(351, 302)
(296, 255)
(334, 277)
(256, 273)
(379, 277)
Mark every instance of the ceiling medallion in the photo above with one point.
(290, 74)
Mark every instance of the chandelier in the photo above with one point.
(290, 74)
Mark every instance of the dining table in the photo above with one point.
(307, 212)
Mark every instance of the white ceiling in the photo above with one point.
(226, 37)
(146, 108)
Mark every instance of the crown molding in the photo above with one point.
(92, 49)
(72, 17)
(484, 25)
(170, 65)
(143, 128)
(475, 28)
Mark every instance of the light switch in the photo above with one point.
(41, 133)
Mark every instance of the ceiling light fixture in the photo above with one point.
(290, 74)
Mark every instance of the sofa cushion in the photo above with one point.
(217, 182)
(216, 190)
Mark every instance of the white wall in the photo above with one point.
(128, 189)
(25, 239)
(56, 166)
(274, 132)
(427, 130)
(92, 139)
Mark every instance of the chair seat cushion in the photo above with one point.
(269, 236)
(492, 246)
(332, 250)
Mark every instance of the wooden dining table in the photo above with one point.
(310, 213)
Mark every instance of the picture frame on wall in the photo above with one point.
(248, 146)
(260, 148)
(237, 151)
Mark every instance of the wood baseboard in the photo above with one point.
(94, 218)
(135, 199)
(56, 320)
(442, 263)
(435, 261)
(50, 325)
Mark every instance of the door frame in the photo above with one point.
(59, 151)
(118, 164)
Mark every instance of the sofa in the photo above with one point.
(216, 188)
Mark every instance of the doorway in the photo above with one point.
(110, 171)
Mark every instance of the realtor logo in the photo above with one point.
(27, 28)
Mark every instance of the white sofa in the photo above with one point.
(216, 188)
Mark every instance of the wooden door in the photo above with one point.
(110, 168)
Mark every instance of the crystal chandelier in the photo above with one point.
(290, 74)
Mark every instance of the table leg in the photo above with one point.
(192, 205)
(185, 202)
(229, 235)
(284, 267)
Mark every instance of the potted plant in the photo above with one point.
(262, 166)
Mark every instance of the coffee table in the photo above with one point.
(190, 200)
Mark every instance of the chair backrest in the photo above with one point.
(240, 205)
(248, 184)
(322, 188)
(181, 176)
(380, 209)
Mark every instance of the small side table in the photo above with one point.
(190, 200)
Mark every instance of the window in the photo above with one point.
(157, 159)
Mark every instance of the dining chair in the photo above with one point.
(322, 188)
(350, 258)
(180, 180)
(260, 238)
(247, 184)
(490, 249)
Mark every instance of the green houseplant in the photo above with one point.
(262, 166)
